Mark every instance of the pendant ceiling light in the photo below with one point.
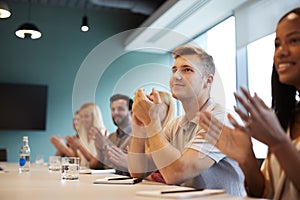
(84, 25)
(28, 30)
(4, 10)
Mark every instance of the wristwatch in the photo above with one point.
(105, 147)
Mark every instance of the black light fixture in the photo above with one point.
(4, 10)
(28, 30)
(84, 25)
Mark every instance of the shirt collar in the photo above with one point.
(208, 107)
(127, 130)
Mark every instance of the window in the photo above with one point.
(223, 50)
(260, 62)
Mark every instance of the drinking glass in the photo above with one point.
(54, 163)
(70, 168)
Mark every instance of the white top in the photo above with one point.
(278, 185)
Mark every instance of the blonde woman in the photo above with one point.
(84, 144)
(62, 148)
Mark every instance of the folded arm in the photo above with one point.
(174, 166)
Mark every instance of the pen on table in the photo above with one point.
(138, 180)
(180, 191)
(134, 180)
(119, 178)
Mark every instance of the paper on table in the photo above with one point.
(97, 171)
(118, 180)
(181, 194)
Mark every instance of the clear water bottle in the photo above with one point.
(24, 161)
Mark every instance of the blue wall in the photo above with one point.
(57, 60)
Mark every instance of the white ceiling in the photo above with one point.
(178, 21)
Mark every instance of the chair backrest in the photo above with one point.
(3, 155)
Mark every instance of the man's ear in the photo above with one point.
(209, 80)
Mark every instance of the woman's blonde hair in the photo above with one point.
(96, 113)
(94, 110)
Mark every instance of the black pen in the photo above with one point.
(180, 191)
(137, 180)
(134, 180)
(119, 178)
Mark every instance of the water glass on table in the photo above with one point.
(54, 163)
(70, 168)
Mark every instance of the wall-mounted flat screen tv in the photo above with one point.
(23, 106)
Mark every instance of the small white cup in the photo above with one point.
(54, 163)
(70, 168)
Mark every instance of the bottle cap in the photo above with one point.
(25, 138)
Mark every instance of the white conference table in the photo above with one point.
(40, 184)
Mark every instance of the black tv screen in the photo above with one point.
(23, 106)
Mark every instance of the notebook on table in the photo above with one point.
(118, 180)
(180, 193)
